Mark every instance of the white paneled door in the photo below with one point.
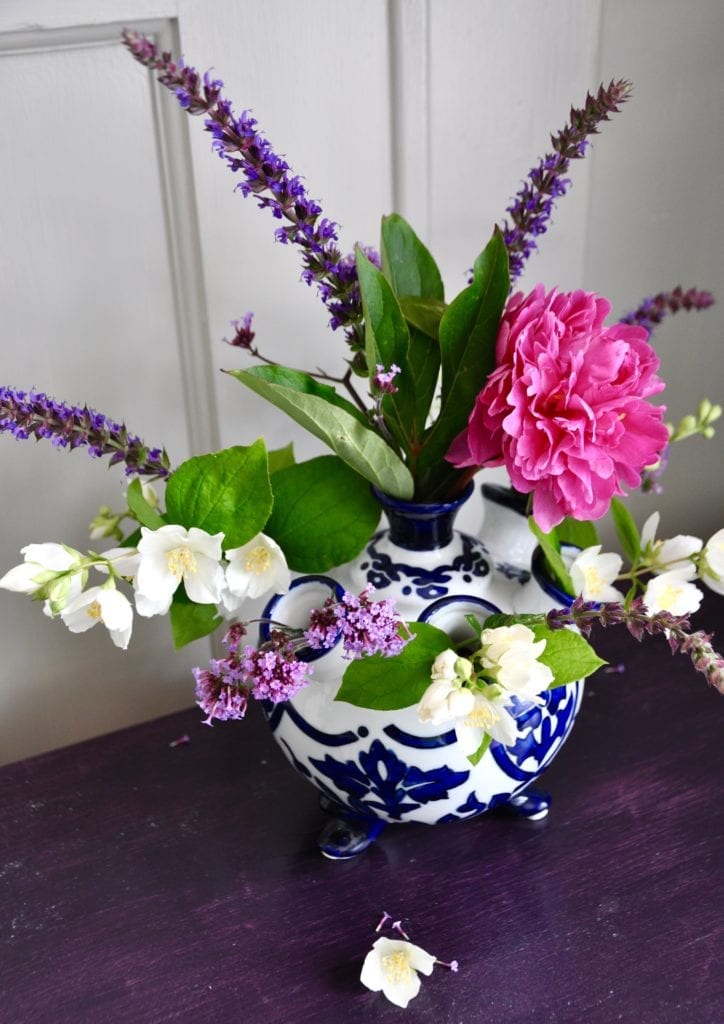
(126, 251)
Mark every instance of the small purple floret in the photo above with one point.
(366, 627)
(653, 310)
(276, 674)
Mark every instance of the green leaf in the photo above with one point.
(280, 458)
(573, 531)
(567, 654)
(406, 262)
(226, 491)
(191, 621)
(387, 684)
(468, 332)
(477, 756)
(626, 530)
(551, 549)
(295, 380)
(144, 513)
(324, 514)
(425, 314)
(361, 448)
(387, 342)
(411, 270)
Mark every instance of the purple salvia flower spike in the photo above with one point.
(267, 176)
(33, 414)
(653, 310)
(530, 211)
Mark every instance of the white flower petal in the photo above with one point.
(593, 574)
(672, 592)
(391, 966)
(21, 579)
(648, 531)
(257, 568)
(55, 557)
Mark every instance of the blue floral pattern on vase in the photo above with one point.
(381, 781)
(427, 583)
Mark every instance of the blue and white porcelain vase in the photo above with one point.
(374, 767)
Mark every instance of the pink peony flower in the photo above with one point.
(565, 409)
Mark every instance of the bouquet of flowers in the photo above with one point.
(434, 391)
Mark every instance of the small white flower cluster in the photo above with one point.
(475, 693)
(672, 565)
(164, 559)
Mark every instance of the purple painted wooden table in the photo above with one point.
(142, 882)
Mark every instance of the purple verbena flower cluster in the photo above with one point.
(271, 673)
(33, 414)
(639, 623)
(531, 209)
(383, 380)
(221, 692)
(365, 626)
(274, 672)
(653, 310)
(268, 177)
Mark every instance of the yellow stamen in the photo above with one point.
(482, 717)
(396, 966)
(594, 584)
(94, 611)
(257, 561)
(180, 561)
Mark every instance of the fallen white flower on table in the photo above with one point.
(391, 967)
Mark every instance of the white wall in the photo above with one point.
(126, 252)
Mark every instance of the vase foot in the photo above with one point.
(346, 834)
(533, 805)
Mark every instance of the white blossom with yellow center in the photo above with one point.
(255, 569)
(592, 575)
(172, 555)
(488, 717)
(101, 604)
(391, 967)
(672, 592)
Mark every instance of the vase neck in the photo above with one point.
(421, 526)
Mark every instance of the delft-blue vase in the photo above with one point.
(375, 767)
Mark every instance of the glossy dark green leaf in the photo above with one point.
(425, 314)
(573, 531)
(324, 514)
(552, 551)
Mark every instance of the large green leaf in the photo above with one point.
(468, 332)
(191, 621)
(411, 270)
(356, 444)
(280, 458)
(407, 263)
(582, 533)
(324, 513)
(567, 654)
(226, 491)
(304, 383)
(386, 684)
